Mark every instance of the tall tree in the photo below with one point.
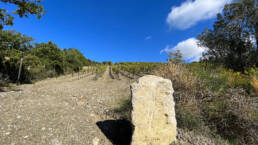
(13, 40)
(24, 9)
(74, 59)
(50, 55)
(230, 42)
(246, 12)
(12, 44)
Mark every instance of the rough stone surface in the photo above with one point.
(153, 114)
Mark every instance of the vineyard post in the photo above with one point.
(20, 68)
(118, 72)
(79, 73)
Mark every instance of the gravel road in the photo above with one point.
(60, 111)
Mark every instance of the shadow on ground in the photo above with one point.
(119, 132)
(5, 89)
(2, 90)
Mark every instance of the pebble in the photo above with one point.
(95, 141)
(25, 136)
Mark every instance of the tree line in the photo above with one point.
(40, 60)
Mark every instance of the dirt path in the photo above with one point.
(60, 111)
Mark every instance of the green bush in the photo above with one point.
(188, 120)
(124, 109)
(231, 118)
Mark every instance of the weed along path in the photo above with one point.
(61, 112)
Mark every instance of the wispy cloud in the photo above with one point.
(148, 37)
(189, 49)
(191, 12)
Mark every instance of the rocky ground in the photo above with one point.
(60, 111)
(68, 111)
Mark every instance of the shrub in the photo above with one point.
(124, 109)
(254, 83)
(253, 72)
(187, 119)
(236, 79)
(233, 116)
(181, 77)
(215, 101)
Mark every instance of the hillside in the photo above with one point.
(68, 110)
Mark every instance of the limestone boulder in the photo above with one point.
(153, 114)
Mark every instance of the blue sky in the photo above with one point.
(119, 31)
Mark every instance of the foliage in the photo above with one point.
(181, 77)
(211, 99)
(115, 69)
(139, 67)
(107, 63)
(187, 119)
(231, 40)
(11, 46)
(12, 40)
(253, 72)
(124, 109)
(41, 60)
(233, 116)
(74, 59)
(175, 57)
(24, 9)
(254, 83)
(101, 69)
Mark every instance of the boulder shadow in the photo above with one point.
(119, 132)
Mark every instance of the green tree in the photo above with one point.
(74, 60)
(24, 9)
(175, 57)
(107, 62)
(51, 56)
(12, 45)
(13, 40)
(34, 67)
(246, 12)
(230, 40)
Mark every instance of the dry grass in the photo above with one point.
(181, 77)
(215, 98)
(254, 83)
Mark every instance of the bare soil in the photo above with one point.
(59, 111)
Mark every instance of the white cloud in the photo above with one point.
(191, 12)
(189, 49)
(148, 37)
(167, 49)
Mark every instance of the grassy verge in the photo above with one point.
(124, 109)
(215, 101)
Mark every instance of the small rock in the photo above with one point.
(25, 136)
(95, 141)
(56, 142)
